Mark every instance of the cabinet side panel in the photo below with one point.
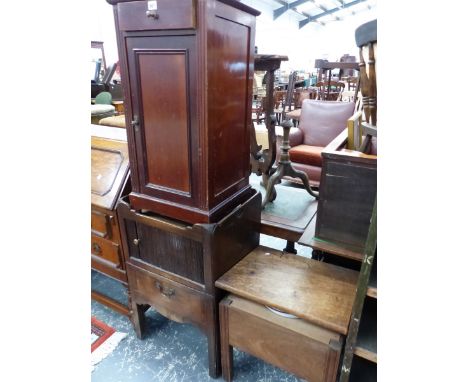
(228, 105)
(347, 194)
(163, 81)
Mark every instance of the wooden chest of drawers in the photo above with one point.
(173, 266)
(109, 181)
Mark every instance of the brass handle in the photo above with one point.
(167, 292)
(136, 241)
(136, 123)
(152, 14)
(97, 248)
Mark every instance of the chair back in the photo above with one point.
(366, 40)
(103, 98)
(279, 97)
(329, 90)
(289, 99)
(299, 96)
(323, 121)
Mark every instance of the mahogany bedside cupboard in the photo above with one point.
(109, 181)
(187, 69)
(173, 266)
(320, 295)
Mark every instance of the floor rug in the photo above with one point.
(104, 340)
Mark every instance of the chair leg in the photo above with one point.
(212, 334)
(226, 349)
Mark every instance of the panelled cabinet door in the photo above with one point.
(162, 86)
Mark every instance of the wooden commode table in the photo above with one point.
(320, 295)
(172, 266)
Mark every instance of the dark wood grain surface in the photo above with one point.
(109, 167)
(320, 293)
(280, 341)
(188, 90)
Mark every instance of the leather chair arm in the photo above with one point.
(296, 137)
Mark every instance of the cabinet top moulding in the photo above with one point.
(233, 3)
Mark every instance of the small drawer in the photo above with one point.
(169, 14)
(106, 250)
(173, 300)
(101, 224)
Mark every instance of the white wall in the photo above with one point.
(102, 28)
(281, 36)
(303, 46)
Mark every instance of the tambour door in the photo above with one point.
(162, 73)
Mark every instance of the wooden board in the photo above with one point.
(109, 169)
(320, 293)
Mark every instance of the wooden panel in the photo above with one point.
(172, 300)
(346, 198)
(170, 252)
(100, 224)
(105, 249)
(172, 14)
(283, 342)
(111, 303)
(320, 293)
(229, 105)
(233, 238)
(107, 268)
(163, 84)
(109, 167)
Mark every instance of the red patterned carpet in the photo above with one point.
(104, 340)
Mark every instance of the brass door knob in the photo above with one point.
(97, 248)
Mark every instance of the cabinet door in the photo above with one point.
(162, 75)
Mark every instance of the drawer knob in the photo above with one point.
(167, 292)
(136, 241)
(152, 14)
(97, 248)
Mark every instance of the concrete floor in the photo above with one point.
(170, 352)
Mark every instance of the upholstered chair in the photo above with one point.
(320, 122)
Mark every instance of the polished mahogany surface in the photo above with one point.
(189, 90)
(229, 77)
(165, 139)
(172, 14)
(166, 117)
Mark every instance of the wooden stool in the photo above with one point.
(320, 295)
